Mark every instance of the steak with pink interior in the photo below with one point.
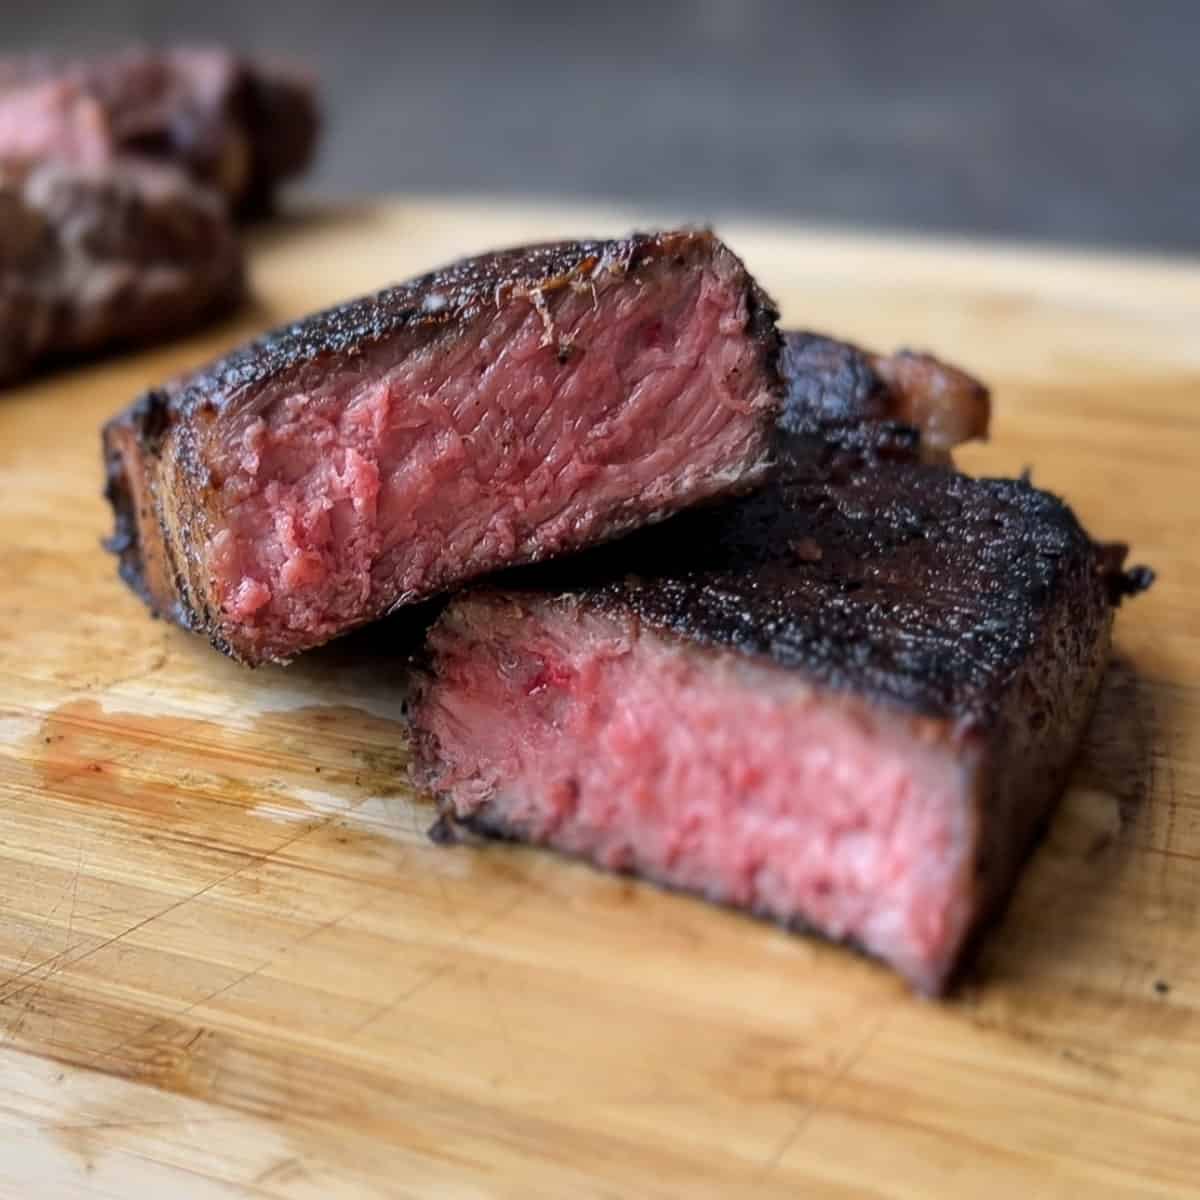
(847, 702)
(505, 410)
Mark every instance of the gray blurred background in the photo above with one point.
(1063, 120)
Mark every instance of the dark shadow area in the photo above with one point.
(390, 644)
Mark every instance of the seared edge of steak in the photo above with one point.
(903, 581)
(440, 300)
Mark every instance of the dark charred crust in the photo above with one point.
(912, 584)
(832, 389)
(123, 541)
(116, 492)
(480, 825)
(842, 400)
(439, 300)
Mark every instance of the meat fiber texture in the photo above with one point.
(845, 703)
(93, 258)
(504, 410)
(237, 126)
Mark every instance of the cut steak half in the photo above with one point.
(847, 702)
(97, 257)
(238, 126)
(504, 410)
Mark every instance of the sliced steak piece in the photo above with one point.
(503, 410)
(901, 405)
(235, 125)
(97, 257)
(847, 702)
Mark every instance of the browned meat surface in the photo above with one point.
(93, 258)
(847, 702)
(236, 125)
(507, 409)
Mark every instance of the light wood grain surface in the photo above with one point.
(232, 965)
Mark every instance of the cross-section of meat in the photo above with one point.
(504, 410)
(93, 258)
(847, 702)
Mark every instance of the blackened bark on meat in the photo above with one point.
(832, 386)
(904, 582)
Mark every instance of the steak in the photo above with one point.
(900, 405)
(97, 257)
(847, 702)
(238, 126)
(503, 410)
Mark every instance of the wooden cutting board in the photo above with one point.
(231, 964)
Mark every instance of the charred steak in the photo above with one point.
(847, 702)
(97, 257)
(504, 410)
(235, 125)
(900, 405)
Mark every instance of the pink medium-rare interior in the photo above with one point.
(530, 432)
(704, 770)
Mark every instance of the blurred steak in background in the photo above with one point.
(239, 126)
(98, 256)
(120, 177)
